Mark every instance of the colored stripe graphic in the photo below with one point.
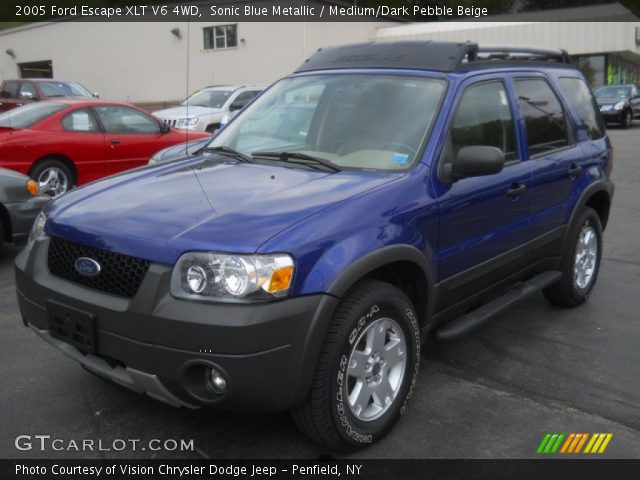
(572, 443)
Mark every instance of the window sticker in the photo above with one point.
(400, 159)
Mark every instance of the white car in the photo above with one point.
(204, 110)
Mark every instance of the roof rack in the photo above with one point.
(424, 55)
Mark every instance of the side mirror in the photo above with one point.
(26, 96)
(164, 128)
(95, 95)
(234, 107)
(477, 160)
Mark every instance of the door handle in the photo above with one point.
(574, 170)
(115, 141)
(516, 189)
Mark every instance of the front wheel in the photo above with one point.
(627, 119)
(366, 371)
(580, 263)
(53, 176)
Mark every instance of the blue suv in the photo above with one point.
(380, 193)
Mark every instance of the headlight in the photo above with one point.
(188, 122)
(618, 106)
(37, 231)
(220, 277)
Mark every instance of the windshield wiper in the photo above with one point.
(229, 152)
(300, 159)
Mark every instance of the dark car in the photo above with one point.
(381, 193)
(20, 203)
(14, 93)
(619, 104)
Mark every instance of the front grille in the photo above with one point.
(606, 108)
(171, 123)
(119, 274)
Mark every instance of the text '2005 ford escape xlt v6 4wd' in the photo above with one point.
(379, 193)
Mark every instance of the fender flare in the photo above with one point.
(340, 286)
(603, 185)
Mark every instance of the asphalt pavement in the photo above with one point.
(535, 369)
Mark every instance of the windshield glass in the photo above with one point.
(64, 89)
(209, 98)
(27, 115)
(352, 120)
(619, 93)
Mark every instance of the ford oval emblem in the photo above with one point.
(87, 266)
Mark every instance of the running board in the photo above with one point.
(470, 321)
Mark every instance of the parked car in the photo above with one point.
(20, 203)
(619, 104)
(14, 93)
(204, 110)
(69, 142)
(424, 188)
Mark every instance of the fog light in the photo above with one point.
(215, 381)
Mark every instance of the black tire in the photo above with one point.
(566, 292)
(626, 119)
(62, 170)
(1, 232)
(326, 416)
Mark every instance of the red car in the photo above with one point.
(62, 143)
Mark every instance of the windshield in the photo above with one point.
(27, 115)
(352, 120)
(618, 93)
(64, 89)
(209, 98)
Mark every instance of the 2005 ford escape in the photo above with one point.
(379, 193)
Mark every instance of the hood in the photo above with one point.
(180, 150)
(183, 112)
(158, 213)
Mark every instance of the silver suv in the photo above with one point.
(205, 109)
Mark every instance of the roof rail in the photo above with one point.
(520, 53)
(424, 55)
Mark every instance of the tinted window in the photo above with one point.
(585, 105)
(27, 115)
(79, 121)
(117, 119)
(10, 90)
(483, 117)
(543, 115)
(27, 89)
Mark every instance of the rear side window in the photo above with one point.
(544, 118)
(29, 114)
(483, 117)
(585, 105)
(10, 90)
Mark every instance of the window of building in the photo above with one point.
(220, 36)
(586, 107)
(483, 117)
(544, 117)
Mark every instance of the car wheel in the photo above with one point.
(366, 370)
(1, 233)
(53, 176)
(627, 119)
(580, 263)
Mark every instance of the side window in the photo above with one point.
(27, 90)
(118, 119)
(483, 117)
(242, 99)
(79, 121)
(544, 118)
(585, 105)
(10, 90)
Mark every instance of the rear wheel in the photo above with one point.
(53, 176)
(366, 371)
(580, 263)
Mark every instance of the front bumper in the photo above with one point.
(162, 346)
(23, 214)
(612, 116)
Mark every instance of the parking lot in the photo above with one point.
(534, 369)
